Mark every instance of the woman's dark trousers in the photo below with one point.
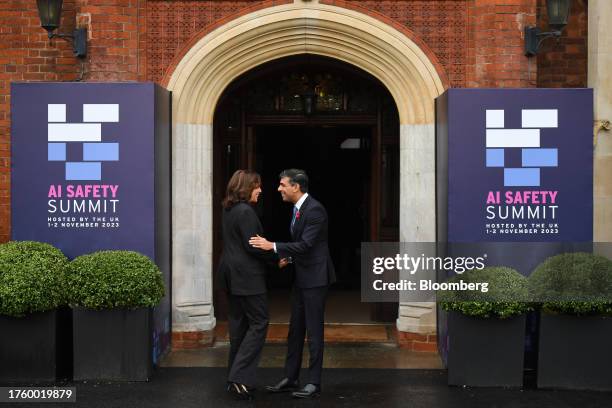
(248, 326)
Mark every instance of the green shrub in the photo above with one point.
(573, 283)
(507, 295)
(32, 278)
(114, 279)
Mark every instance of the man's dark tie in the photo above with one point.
(295, 210)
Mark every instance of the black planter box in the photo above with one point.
(485, 352)
(36, 347)
(112, 344)
(574, 352)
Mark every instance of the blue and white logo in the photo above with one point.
(533, 157)
(89, 133)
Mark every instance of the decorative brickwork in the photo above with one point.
(563, 63)
(442, 25)
(172, 24)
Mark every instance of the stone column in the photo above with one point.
(416, 323)
(600, 79)
(193, 318)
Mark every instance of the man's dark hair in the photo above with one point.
(296, 176)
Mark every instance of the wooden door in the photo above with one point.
(229, 155)
(384, 199)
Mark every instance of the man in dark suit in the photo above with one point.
(314, 272)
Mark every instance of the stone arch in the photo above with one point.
(213, 59)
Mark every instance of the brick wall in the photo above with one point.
(174, 25)
(26, 54)
(495, 44)
(477, 43)
(113, 43)
(417, 342)
(442, 25)
(563, 63)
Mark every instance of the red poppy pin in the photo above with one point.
(297, 215)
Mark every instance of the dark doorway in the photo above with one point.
(341, 126)
(333, 158)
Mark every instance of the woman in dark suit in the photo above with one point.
(242, 272)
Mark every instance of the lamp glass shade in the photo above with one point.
(558, 13)
(49, 12)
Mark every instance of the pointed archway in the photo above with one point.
(214, 59)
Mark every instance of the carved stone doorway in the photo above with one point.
(339, 124)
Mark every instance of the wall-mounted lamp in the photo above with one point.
(558, 13)
(50, 12)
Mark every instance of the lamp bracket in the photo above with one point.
(549, 34)
(534, 38)
(78, 39)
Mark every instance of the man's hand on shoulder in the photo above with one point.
(261, 243)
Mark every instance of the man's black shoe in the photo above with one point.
(284, 385)
(309, 391)
(240, 391)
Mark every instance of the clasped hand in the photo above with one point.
(262, 243)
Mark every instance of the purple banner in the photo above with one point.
(90, 170)
(513, 166)
(520, 164)
(82, 166)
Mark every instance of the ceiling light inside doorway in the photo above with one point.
(351, 143)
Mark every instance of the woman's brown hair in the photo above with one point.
(240, 187)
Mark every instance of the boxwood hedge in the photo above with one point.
(114, 279)
(507, 295)
(576, 283)
(32, 278)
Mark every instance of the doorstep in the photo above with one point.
(336, 355)
(334, 333)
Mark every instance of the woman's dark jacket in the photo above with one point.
(242, 268)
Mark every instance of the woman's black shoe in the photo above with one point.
(284, 385)
(240, 391)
